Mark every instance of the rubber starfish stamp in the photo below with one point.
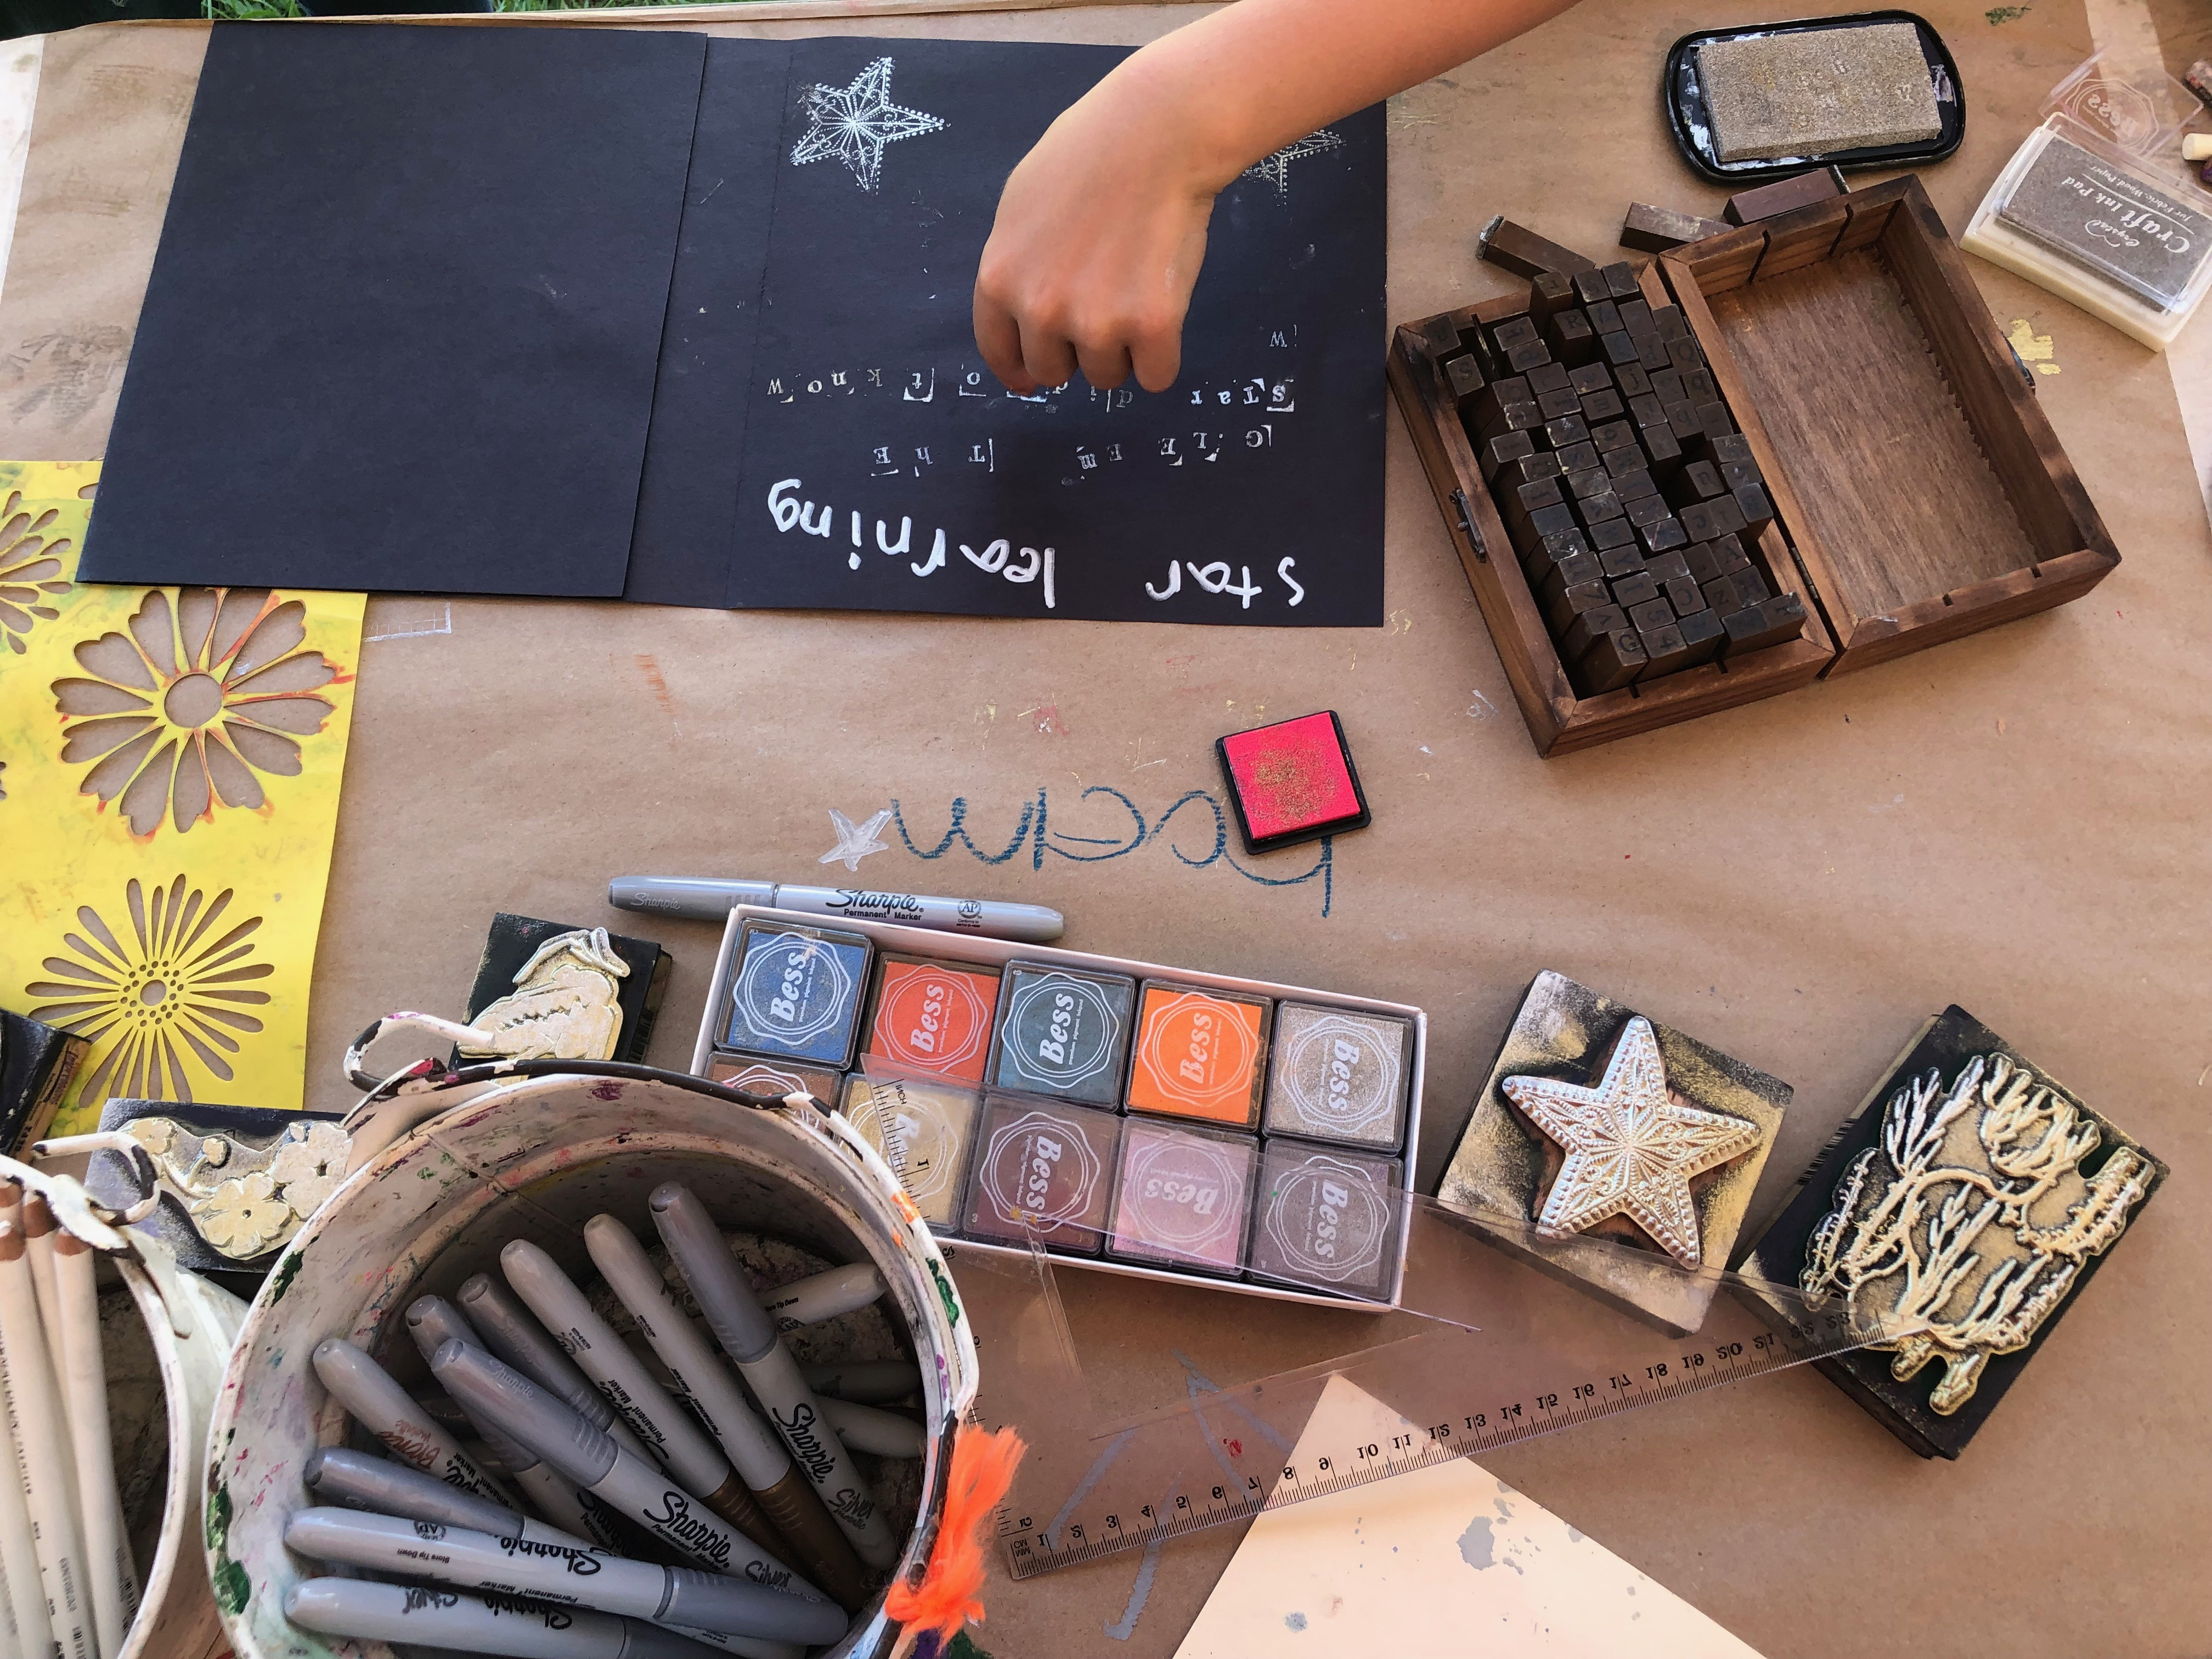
(853, 123)
(1630, 1148)
(855, 842)
(1276, 168)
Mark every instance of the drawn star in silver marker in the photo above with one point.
(1276, 169)
(853, 123)
(1631, 1147)
(855, 842)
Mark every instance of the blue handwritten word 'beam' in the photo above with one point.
(1198, 809)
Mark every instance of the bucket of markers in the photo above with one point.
(601, 1362)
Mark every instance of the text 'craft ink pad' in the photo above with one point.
(1293, 782)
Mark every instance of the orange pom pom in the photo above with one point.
(948, 1595)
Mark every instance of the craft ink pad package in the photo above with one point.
(2097, 206)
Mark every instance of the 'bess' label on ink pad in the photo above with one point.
(1063, 1034)
(1328, 1220)
(933, 1016)
(1183, 1196)
(1199, 1053)
(1044, 1170)
(1340, 1075)
(924, 1130)
(797, 991)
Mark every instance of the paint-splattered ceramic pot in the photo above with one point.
(536, 1159)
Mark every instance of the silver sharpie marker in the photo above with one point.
(333, 1474)
(578, 1578)
(705, 900)
(628, 1484)
(368, 1611)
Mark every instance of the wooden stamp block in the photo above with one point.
(1586, 629)
(1525, 253)
(1655, 229)
(1784, 196)
(1550, 292)
(1603, 508)
(1577, 1076)
(1613, 663)
(1703, 634)
(1974, 1192)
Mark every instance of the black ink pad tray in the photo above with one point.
(1684, 94)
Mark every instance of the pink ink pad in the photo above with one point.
(1183, 1196)
(1292, 782)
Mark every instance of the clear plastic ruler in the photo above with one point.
(1501, 1334)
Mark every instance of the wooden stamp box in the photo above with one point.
(1919, 494)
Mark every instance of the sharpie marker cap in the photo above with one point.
(733, 1312)
(432, 1321)
(512, 1403)
(384, 1487)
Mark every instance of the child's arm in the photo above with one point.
(1102, 228)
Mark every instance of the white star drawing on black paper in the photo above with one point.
(855, 842)
(1276, 169)
(854, 123)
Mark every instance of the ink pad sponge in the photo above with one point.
(1063, 1033)
(796, 992)
(1044, 1168)
(1183, 1196)
(1199, 1053)
(1340, 1075)
(1808, 92)
(925, 1130)
(1292, 782)
(933, 1016)
(1326, 1219)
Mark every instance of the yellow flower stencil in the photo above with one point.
(174, 757)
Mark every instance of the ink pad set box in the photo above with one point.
(2097, 206)
(1137, 1118)
(1836, 373)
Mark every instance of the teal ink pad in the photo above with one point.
(797, 991)
(1063, 1033)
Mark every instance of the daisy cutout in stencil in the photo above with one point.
(204, 696)
(31, 579)
(1276, 168)
(853, 123)
(163, 982)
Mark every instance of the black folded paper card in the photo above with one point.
(402, 329)
(829, 342)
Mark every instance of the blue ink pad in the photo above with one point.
(1063, 1033)
(797, 991)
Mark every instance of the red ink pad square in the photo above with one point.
(1292, 782)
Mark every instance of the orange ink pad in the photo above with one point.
(1199, 1054)
(1292, 782)
(933, 1016)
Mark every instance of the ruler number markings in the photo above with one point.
(1032, 1552)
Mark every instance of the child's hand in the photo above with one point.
(1100, 233)
(1102, 228)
